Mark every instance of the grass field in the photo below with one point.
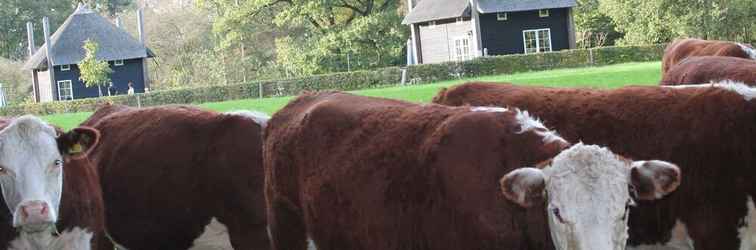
(600, 77)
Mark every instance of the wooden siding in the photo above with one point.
(505, 37)
(131, 70)
(45, 87)
(436, 42)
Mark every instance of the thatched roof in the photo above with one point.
(114, 43)
(430, 10)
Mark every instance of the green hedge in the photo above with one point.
(424, 73)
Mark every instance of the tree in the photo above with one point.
(108, 7)
(659, 21)
(312, 36)
(593, 28)
(13, 17)
(94, 72)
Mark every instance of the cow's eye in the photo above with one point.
(3, 171)
(58, 163)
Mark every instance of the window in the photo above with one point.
(543, 13)
(502, 16)
(65, 90)
(462, 48)
(432, 23)
(65, 67)
(118, 62)
(460, 19)
(536, 41)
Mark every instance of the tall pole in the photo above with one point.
(31, 50)
(142, 39)
(48, 47)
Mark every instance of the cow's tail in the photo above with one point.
(258, 117)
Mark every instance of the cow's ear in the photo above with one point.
(78, 142)
(524, 186)
(654, 179)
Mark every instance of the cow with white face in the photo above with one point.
(32, 159)
(588, 191)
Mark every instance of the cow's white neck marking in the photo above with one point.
(527, 123)
(744, 90)
(258, 117)
(215, 237)
(750, 51)
(747, 233)
(680, 240)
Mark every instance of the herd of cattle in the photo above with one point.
(642, 167)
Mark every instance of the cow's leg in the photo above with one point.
(246, 230)
(287, 228)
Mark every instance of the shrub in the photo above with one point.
(355, 80)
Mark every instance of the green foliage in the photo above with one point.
(94, 72)
(659, 21)
(16, 82)
(13, 17)
(359, 79)
(309, 36)
(593, 28)
(108, 7)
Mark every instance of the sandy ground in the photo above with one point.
(215, 237)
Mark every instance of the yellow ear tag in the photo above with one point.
(75, 149)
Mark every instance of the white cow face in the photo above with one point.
(588, 191)
(32, 156)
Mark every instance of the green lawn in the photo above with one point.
(601, 77)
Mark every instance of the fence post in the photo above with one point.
(260, 88)
(139, 101)
(590, 56)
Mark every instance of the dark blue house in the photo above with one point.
(125, 54)
(454, 30)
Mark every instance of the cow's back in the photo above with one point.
(708, 69)
(708, 132)
(368, 173)
(678, 50)
(166, 171)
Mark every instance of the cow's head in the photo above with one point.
(588, 191)
(32, 159)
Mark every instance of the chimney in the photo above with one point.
(118, 22)
(140, 26)
(46, 30)
(30, 38)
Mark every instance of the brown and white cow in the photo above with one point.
(684, 48)
(709, 130)
(167, 172)
(47, 179)
(354, 172)
(708, 69)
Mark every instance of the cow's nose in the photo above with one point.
(35, 212)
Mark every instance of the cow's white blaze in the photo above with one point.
(680, 240)
(32, 169)
(587, 189)
(742, 89)
(527, 123)
(259, 117)
(747, 233)
(750, 51)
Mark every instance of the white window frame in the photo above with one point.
(65, 67)
(70, 86)
(543, 13)
(431, 23)
(460, 19)
(502, 16)
(118, 63)
(463, 56)
(538, 41)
